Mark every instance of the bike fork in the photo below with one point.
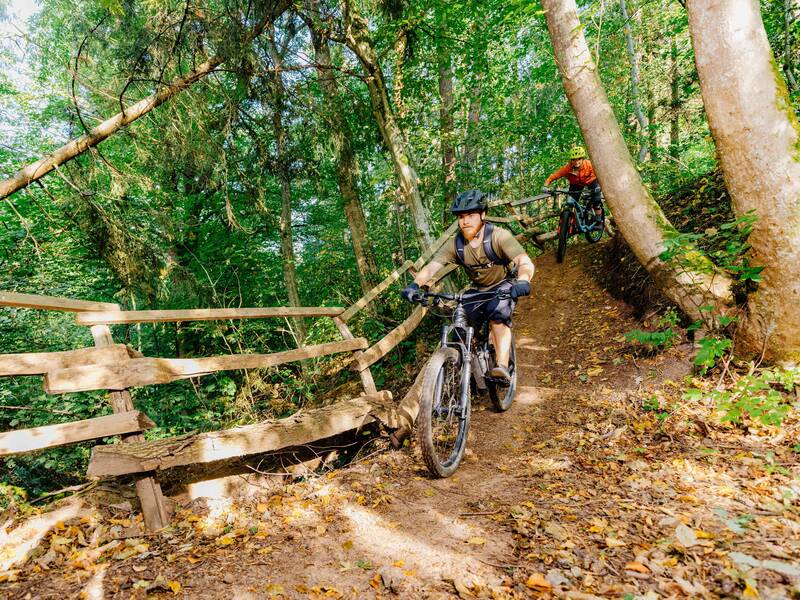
(466, 372)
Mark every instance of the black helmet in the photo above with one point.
(469, 201)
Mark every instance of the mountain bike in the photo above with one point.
(463, 362)
(577, 218)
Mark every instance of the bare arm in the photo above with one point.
(524, 266)
(428, 272)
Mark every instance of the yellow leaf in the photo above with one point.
(274, 589)
(399, 564)
(225, 540)
(361, 500)
(614, 543)
(703, 535)
(476, 541)
(321, 529)
(347, 545)
(193, 559)
(174, 586)
(750, 590)
(594, 372)
(537, 582)
(261, 507)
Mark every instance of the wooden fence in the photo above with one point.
(117, 368)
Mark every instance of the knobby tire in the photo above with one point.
(441, 433)
(502, 397)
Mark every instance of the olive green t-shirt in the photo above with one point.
(481, 272)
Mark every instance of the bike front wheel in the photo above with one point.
(594, 234)
(443, 421)
(563, 235)
(503, 396)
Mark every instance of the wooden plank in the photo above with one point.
(366, 375)
(301, 428)
(375, 292)
(53, 303)
(204, 314)
(154, 509)
(50, 436)
(394, 337)
(38, 363)
(434, 248)
(530, 199)
(148, 371)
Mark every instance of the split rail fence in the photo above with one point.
(117, 368)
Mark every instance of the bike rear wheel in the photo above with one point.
(563, 235)
(595, 234)
(441, 429)
(502, 396)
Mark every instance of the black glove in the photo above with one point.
(409, 292)
(520, 287)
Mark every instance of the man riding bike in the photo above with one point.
(580, 174)
(487, 254)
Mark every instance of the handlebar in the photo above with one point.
(422, 297)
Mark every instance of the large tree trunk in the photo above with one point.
(644, 126)
(346, 167)
(446, 126)
(359, 41)
(71, 149)
(470, 156)
(282, 161)
(639, 218)
(757, 137)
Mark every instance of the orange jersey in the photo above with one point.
(584, 175)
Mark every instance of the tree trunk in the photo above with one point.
(359, 41)
(70, 150)
(470, 160)
(278, 94)
(400, 49)
(346, 168)
(788, 19)
(639, 218)
(757, 137)
(644, 126)
(446, 127)
(675, 100)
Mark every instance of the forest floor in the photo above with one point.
(597, 483)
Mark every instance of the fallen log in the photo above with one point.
(149, 371)
(301, 428)
(50, 436)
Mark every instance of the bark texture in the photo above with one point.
(359, 41)
(448, 150)
(640, 219)
(758, 144)
(641, 119)
(346, 167)
(278, 98)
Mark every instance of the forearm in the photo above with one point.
(525, 269)
(427, 273)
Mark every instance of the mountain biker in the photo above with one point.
(487, 254)
(580, 174)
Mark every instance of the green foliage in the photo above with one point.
(662, 338)
(712, 348)
(764, 396)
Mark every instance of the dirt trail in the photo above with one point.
(575, 492)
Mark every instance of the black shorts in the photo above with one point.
(483, 306)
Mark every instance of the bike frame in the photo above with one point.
(580, 212)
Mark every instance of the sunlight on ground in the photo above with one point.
(94, 588)
(530, 395)
(377, 536)
(16, 544)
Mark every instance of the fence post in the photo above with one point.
(148, 489)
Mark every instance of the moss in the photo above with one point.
(784, 103)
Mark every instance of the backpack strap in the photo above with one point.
(488, 250)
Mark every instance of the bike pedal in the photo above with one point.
(499, 381)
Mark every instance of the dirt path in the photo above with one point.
(575, 492)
